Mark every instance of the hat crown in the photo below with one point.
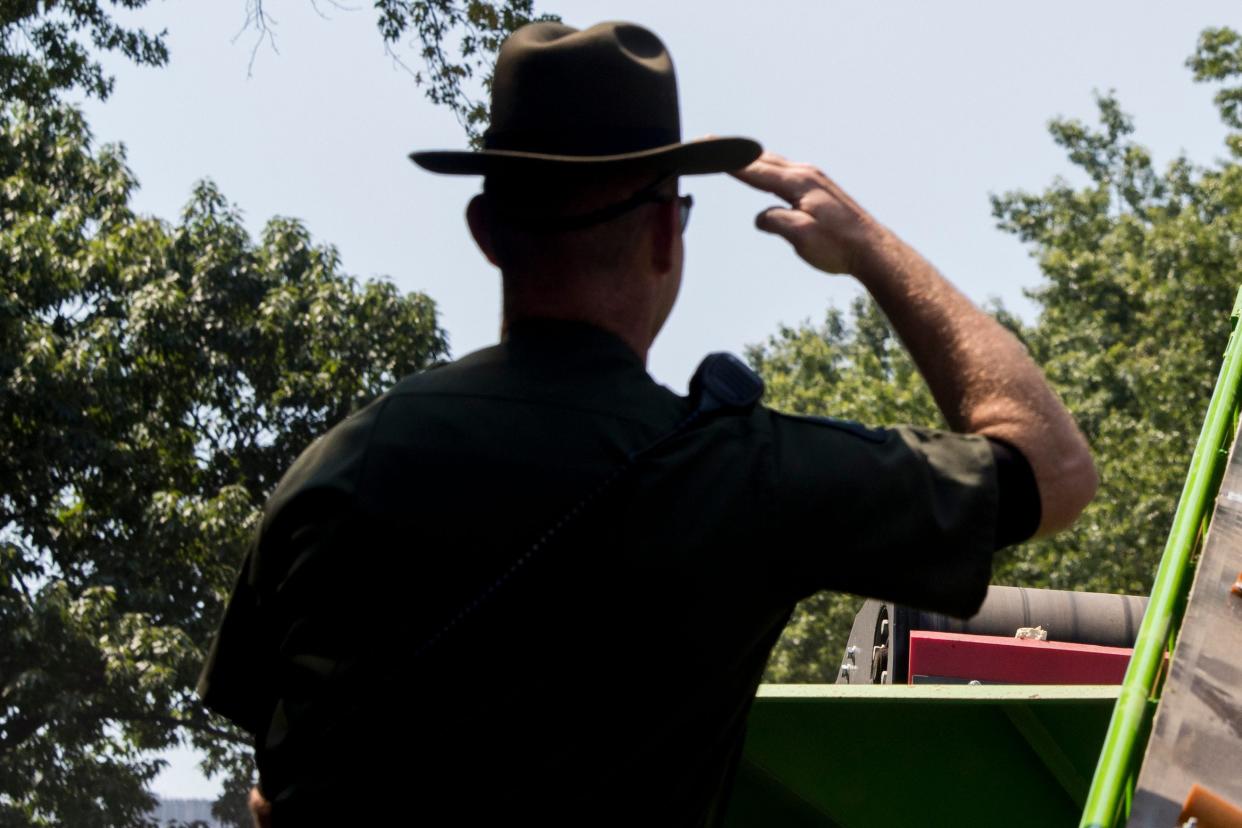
(564, 99)
(603, 90)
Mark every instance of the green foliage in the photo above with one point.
(454, 78)
(1140, 267)
(1219, 58)
(156, 381)
(50, 46)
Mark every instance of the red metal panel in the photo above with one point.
(993, 658)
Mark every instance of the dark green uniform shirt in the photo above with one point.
(608, 681)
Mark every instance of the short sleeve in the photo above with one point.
(905, 514)
(236, 677)
(284, 589)
(294, 620)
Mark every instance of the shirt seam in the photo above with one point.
(607, 412)
(360, 475)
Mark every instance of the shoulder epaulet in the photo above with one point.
(724, 382)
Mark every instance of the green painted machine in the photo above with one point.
(1096, 756)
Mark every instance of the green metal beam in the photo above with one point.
(884, 756)
(1112, 786)
(1049, 751)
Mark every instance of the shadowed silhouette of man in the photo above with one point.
(535, 585)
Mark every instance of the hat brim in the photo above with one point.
(708, 155)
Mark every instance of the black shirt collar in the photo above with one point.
(548, 337)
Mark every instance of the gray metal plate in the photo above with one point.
(1197, 732)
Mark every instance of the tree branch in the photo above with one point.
(258, 17)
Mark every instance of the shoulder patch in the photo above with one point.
(871, 435)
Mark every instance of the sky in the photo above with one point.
(919, 110)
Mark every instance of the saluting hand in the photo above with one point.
(825, 226)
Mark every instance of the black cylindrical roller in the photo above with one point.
(879, 642)
(1075, 617)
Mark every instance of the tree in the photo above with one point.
(42, 51)
(157, 380)
(50, 47)
(1140, 268)
(479, 26)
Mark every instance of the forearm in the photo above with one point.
(981, 377)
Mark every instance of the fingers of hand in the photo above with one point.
(784, 181)
(810, 237)
(774, 159)
(793, 225)
(789, 180)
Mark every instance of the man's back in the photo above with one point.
(613, 670)
(616, 666)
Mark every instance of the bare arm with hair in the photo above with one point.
(982, 378)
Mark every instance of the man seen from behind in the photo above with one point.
(536, 586)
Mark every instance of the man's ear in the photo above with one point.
(663, 232)
(478, 218)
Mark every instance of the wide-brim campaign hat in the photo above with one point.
(565, 99)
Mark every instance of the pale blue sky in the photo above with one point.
(920, 110)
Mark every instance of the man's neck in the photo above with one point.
(631, 334)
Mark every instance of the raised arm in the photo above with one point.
(982, 378)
